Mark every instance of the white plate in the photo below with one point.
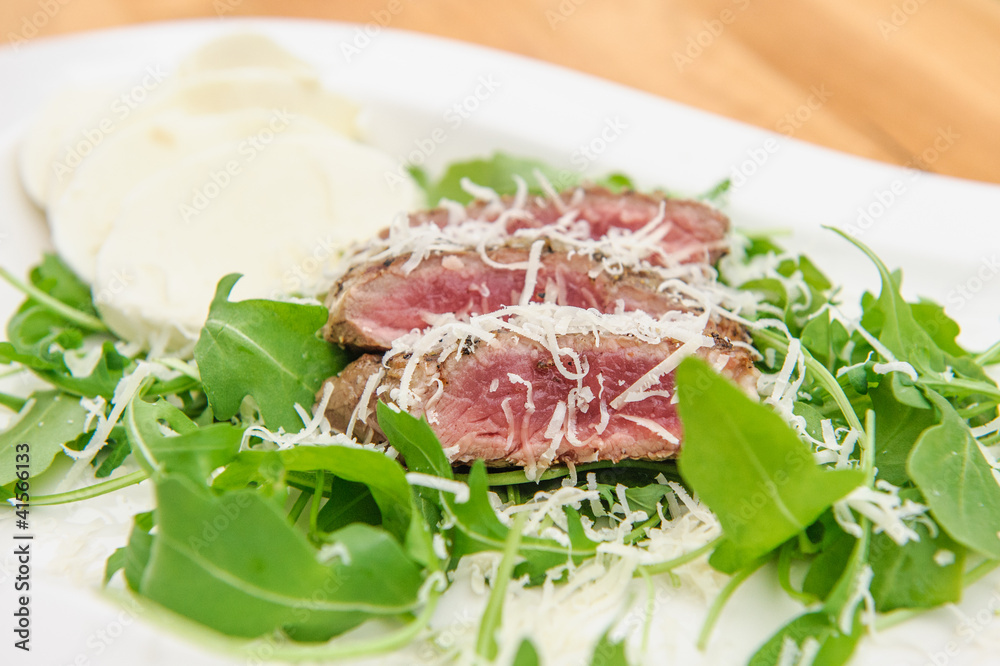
(942, 231)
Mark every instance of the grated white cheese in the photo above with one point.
(653, 427)
(334, 551)
(861, 584)
(896, 366)
(531, 279)
(125, 390)
(457, 488)
(944, 557)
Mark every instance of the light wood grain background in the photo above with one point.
(887, 77)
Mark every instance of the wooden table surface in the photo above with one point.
(886, 78)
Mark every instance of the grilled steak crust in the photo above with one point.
(376, 303)
(507, 402)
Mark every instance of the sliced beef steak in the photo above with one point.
(377, 302)
(509, 399)
(691, 231)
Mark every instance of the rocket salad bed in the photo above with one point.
(867, 473)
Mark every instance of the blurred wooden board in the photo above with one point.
(909, 82)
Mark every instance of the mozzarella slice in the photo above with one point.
(243, 49)
(231, 74)
(60, 132)
(278, 217)
(81, 218)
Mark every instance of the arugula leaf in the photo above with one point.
(202, 567)
(908, 576)
(773, 491)
(348, 502)
(113, 454)
(608, 652)
(901, 333)
(46, 422)
(902, 414)
(497, 172)
(835, 647)
(101, 381)
(943, 329)
(414, 439)
(824, 626)
(193, 452)
(37, 330)
(383, 477)
(265, 349)
(58, 280)
(35, 336)
(133, 557)
(825, 340)
(526, 655)
(476, 526)
(834, 555)
(957, 481)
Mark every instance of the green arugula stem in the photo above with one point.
(973, 386)
(641, 530)
(969, 413)
(12, 402)
(785, 575)
(895, 617)
(825, 378)
(663, 567)
(360, 648)
(991, 356)
(486, 643)
(766, 233)
(668, 469)
(95, 490)
(300, 504)
(81, 319)
(868, 451)
(317, 496)
(715, 610)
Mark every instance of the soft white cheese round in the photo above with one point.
(81, 217)
(242, 49)
(233, 73)
(60, 125)
(211, 92)
(278, 215)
